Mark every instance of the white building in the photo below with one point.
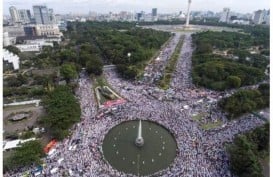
(241, 22)
(28, 47)
(14, 31)
(11, 58)
(40, 42)
(6, 40)
(35, 45)
(225, 16)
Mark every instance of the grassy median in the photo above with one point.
(165, 80)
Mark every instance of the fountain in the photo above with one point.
(139, 140)
(123, 147)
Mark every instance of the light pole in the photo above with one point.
(129, 56)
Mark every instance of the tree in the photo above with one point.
(13, 49)
(84, 57)
(260, 137)
(94, 66)
(243, 161)
(68, 71)
(29, 153)
(243, 101)
(204, 48)
(67, 55)
(234, 81)
(63, 110)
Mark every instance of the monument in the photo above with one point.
(188, 15)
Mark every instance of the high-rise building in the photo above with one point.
(29, 14)
(267, 19)
(261, 17)
(41, 14)
(154, 12)
(14, 15)
(24, 16)
(225, 16)
(51, 16)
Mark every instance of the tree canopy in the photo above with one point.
(243, 161)
(245, 101)
(29, 153)
(247, 150)
(63, 110)
(94, 65)
(13, 49)
(68, 71)
(221, 72)
(111, 42)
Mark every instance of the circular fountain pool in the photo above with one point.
(157, 153)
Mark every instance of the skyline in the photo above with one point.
(85, 6)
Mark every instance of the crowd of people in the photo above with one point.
(199, 152)
(155, 70)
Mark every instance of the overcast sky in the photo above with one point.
(163, 6)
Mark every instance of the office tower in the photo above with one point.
(138, 16)
(14, 14)
(261, 17)
(267, 19)
(29, 14)
(52, 18)
(41, 14)
(225, 17)
(154, 12)
(24, 16)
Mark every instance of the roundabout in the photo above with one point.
(121, 150)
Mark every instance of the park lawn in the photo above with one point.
(198, 117)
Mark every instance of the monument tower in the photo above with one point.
(188, 14)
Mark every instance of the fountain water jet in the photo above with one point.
(131, 149)
(139, 140)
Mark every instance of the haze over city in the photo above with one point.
(164, 6)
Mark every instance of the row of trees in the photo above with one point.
(63, 110)
(259, 33)
(223, 40)
(246, 101)
(247, 150)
